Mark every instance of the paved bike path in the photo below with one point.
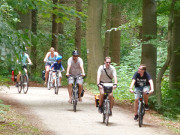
(57, 114)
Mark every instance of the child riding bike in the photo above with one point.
(56, 66)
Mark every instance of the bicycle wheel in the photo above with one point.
(56, 88)
(25, 83)
(74, 105)
(107, 113)
(140, 110)
(20, 85)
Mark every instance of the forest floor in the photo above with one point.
(28, 116)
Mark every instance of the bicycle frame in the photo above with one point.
(106, 102)
(75, 91)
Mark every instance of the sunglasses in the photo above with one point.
(108, 62)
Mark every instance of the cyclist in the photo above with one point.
(105, 74)
(24, 57)
(50, 57)
(142, 81)
(75, 67)
(57, 65)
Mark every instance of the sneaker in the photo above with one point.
(146, 107)
(136, 117)
(100, 110)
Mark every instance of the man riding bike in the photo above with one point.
(49, 59)
(56, 66)
(24, 57)
(75, 67)
(105, 74)
(142, 81)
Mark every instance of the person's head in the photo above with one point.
(75, 54)
(107, 61)
(59, 58)
(142, 68)
(51, 50)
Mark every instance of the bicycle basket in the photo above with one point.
(108, 87)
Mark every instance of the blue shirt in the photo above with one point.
(57, 66)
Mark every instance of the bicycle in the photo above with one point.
(108, 87)
(56, 81)
(50, 77)
(141, 108)
(24, 81)
(75, 91)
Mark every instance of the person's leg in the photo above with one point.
(70, 82)
(101, 98)
(80, 85)
(60, 78)
(146, 96)
(136, 95)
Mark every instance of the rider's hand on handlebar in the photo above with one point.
(130, 89)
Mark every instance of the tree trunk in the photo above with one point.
(149, 31)
(78, 27)
(108, 26)
(169, 51)
(174, 77)
(34, 47)
(93, 38)
(115, 35)
(54, 42)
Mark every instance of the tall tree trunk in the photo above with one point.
(108, 26)
(149, 31)
(115, 35)
(34, 46)
(54, 42)
(174, 77)
(93, 38)
(169, 51)
(78, 27)
(61, 32)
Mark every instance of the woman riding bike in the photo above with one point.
(49, 59)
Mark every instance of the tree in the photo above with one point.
(108, 26)
(93, 38)
(174, 76)
(149, 31)
(78, 27)
(54, 42)
(115, 35)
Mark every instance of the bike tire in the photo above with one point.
(104, 117)
(74, 105)
(107, 113)
(140, 110)
(20, 86)
(56, 88)
(25, 83)
(49, 83)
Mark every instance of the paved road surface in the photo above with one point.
(56, 114)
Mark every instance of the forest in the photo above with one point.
(130, 32)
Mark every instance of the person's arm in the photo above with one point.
(151, 86)
(98, 76)
(62, 68)
(29, 61)
(81, 66)
(68, 67)
(46, 57)
(131, 86)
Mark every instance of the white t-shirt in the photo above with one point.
(75, 68)
(111, 71)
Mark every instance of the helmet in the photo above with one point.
(59, 57)
(75, 52)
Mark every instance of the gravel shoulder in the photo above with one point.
(54, 115)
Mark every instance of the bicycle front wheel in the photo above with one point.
(74, 105)
(25, 83)
(56, 88)
(107, 113)
(140, 110)
(20, 85)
